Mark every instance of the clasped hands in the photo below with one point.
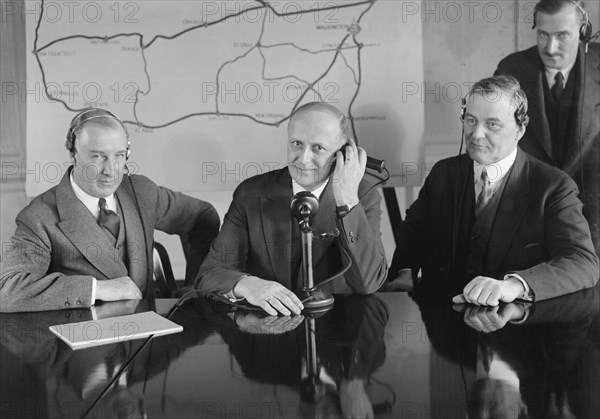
(486, 294)
(486, 291)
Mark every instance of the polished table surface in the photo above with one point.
(386, 355)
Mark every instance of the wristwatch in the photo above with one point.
(341, 211)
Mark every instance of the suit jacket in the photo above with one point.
(582, 160)
(539, 231)
(58, 246)
(260, 237)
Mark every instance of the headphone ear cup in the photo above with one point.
(585, 32)
(521, 116)
(70, 141)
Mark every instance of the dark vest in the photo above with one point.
(119, 243)
(561, 116)
(475, 233)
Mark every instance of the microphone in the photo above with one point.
(304, 206)
(375, 164)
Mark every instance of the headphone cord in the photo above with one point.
(136, 353)
(580, 110)
(381, 181)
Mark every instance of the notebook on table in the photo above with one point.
(114, 329)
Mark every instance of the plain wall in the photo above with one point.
(462, 43)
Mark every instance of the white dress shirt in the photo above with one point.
(496, 172)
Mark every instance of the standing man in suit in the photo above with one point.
(90, 237)
(561, 77)
(257, 255)
(496, 224)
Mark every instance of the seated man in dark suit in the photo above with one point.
(90, 237)
(257, 255)
(496, 224)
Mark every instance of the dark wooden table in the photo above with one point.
(388, 354)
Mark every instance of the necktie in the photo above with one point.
(559, 86)
(108, 219)
(486, 193)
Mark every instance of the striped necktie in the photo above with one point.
(486, 193)
(108, 219)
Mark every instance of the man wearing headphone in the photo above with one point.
(495, 224)
(90, 237)
(258, 254)
(561, 77)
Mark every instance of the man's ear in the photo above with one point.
(520, 132)
(72, 158)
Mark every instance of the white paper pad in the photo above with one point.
(114, 329)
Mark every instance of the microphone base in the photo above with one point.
(311, 389)
(315, 301)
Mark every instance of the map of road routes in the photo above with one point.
(208, 86)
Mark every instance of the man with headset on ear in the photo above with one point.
(561, 77)
(495, 224)
(90, 237)
(257, 254)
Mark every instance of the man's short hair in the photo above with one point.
(93, 116)
(328, 109)
(492, 88)
(552, 7)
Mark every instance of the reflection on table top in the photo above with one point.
(385, 355)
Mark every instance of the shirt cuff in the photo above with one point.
(230, 295)
(93, 291)
(527, 294)
(343, 210)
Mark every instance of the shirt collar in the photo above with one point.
(91, 202)
(317, 192)
(551, 73)
(496, 171)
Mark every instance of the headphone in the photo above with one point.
(585, 30)
(521, 116)
(87, 115)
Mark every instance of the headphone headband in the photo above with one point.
(520, 114)
(87, 115)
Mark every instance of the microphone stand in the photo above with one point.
(304, 207)
(311, 387)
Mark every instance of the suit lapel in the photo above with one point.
(464, 168)
(80, 227)
(511, 209)
(537, 109)
(590, 97)
(137, 247)
(277, 223)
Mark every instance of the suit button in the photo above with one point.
(79, 302)
(67, 304)
(352, 239)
